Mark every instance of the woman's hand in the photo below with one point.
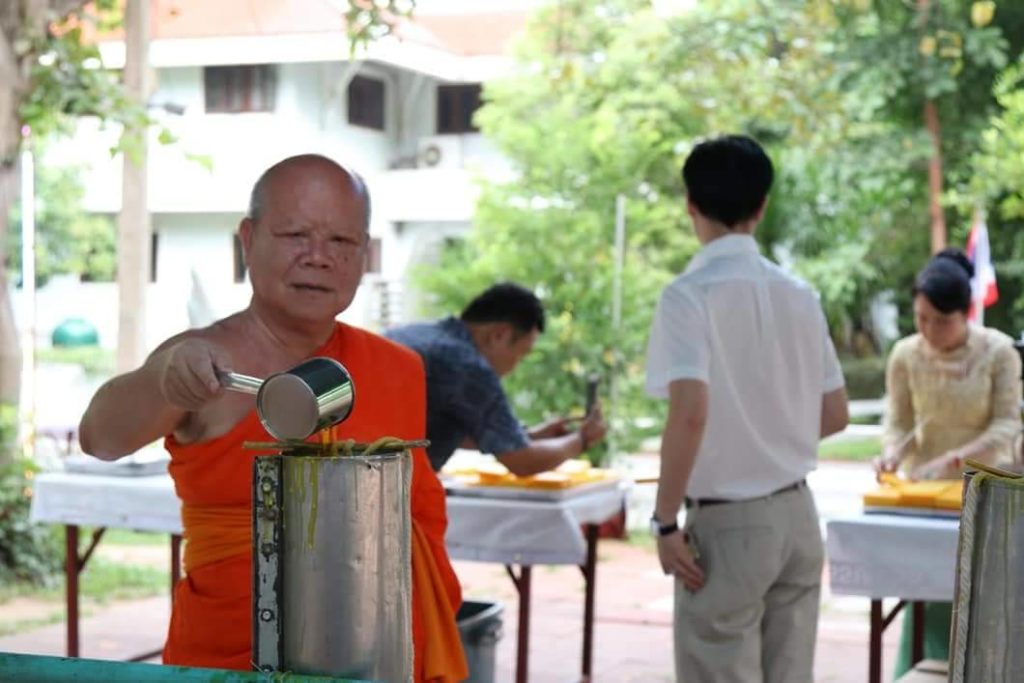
(946, 466)
(887, 463)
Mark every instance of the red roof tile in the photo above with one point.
(482, 33)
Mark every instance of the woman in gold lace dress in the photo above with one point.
(954, 393)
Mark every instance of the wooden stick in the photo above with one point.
(307, 446)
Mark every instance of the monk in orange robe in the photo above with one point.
(305, 239)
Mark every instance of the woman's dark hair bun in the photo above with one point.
(958, 257)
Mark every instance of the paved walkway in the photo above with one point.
(633, 632)
(633, 616)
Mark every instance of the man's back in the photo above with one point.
(766, 358)
(465, 398)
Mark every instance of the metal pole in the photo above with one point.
(28, 290)
(619, 260)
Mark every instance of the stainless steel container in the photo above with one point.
(332, 583)
(295, 404)
(988, 607)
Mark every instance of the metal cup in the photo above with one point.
(315, 394)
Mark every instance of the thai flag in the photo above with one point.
(983, 285)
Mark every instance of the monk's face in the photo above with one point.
(306, 252)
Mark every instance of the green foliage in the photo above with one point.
(865, 377)
(566, 256)
(67, 79)
(68, 239)
(996, 179)
(29, 553)
(96, 361)
(610, 100)
(857, 450)
(369, 20)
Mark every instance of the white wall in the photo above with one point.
(195, 210)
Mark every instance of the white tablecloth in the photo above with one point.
(479, 528)
(893, 556)
(146, 503)
(526, 532)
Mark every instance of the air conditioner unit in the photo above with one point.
(440, 151)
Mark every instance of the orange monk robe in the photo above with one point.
(211, 619)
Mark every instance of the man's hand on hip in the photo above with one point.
(677, 559)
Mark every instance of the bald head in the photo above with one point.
(347, 180)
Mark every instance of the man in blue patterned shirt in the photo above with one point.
(465, 358)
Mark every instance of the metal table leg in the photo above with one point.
(589, 570)
(875, 643)
(522, 584)
(917, 633)
(71, 588)
(880, 622)
(73, 566)
(175, 562)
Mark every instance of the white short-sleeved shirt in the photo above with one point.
(757, 337)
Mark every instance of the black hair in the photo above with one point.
(946, 281)
(727, 178)
(506, 302)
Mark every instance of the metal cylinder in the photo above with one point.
(988, 607)
(346, 566)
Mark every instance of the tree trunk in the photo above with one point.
(15, 18)
(133, 260)
(938, 219)
(931, 122)
(10, 354)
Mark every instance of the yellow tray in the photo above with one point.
(897, 494)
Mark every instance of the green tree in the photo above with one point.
(69, 240)
(920, 79)
(611, 97)
(610, 100)
(997, 181)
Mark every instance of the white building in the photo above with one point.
(251, 82)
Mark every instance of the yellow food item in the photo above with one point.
(568, 474)
(574, 467)
(883, 496)
(546, 480)
(951, 498)
(942, 494)
(922, 493)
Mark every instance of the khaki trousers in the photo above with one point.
(756, 617)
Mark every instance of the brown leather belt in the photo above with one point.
(703, 502)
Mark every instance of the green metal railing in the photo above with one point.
(40, 669)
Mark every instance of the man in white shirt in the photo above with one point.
(741, 351)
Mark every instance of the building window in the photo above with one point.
(373, 254)
(456, 105)
(154, 247)
(366, 102)
(239, 257)
(241, 88)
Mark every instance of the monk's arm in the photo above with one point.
(129, 412)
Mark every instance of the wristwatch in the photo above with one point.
(658, 529)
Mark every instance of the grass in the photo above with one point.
(857, 450)
(95, 361)
(102, 582)
(133, 538)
